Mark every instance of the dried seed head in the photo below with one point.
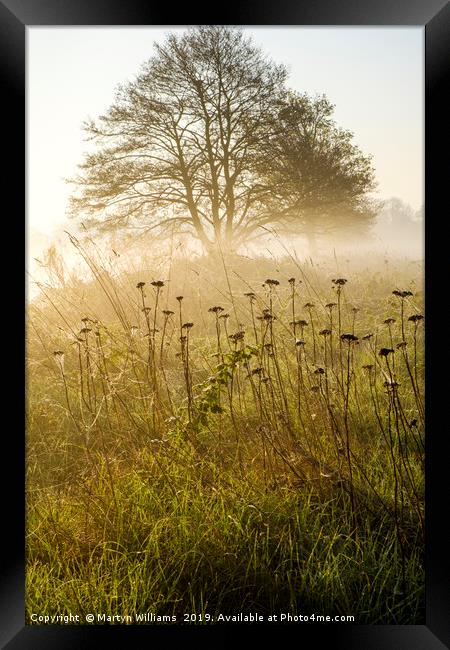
(157, 284)
(402, 293)
(402, 344)
(309, 305)
(140, 285)
(215, 310)
(330, 305)
(168, 312)
(389, 320)
(385, 351)
(415, 318)
(179, 298)
(187, 326)
(291, 280)
(350, 338)
(300, 342)
(272, 283)
(325, 332)
(339, 281)
(366, 337)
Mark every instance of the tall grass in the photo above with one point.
(248, 440)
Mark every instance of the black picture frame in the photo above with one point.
(15, 16)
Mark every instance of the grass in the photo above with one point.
(242, 436)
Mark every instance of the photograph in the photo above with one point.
(225, 325)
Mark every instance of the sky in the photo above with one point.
(374, 76)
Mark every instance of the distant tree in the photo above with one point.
(207, 140)
(399, 223)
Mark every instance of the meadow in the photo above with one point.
(221, 435)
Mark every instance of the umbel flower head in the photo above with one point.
(415, 318)
(384, 352)
(215, 310)
(157, 284)
(350, 338)
(168, 312)
(140, 285)
(187, 326)
(325, 332)
(339, 281)
(402, 294)
(272, 283)
(389, 320)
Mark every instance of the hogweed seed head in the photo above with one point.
(402, 293)
(350, 338)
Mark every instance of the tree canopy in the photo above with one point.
(207, 139)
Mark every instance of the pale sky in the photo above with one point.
(374, 76)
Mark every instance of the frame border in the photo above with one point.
(434, 16)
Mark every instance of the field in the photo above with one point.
(216, 435)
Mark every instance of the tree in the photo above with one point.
(318, 177)
(202, 141)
